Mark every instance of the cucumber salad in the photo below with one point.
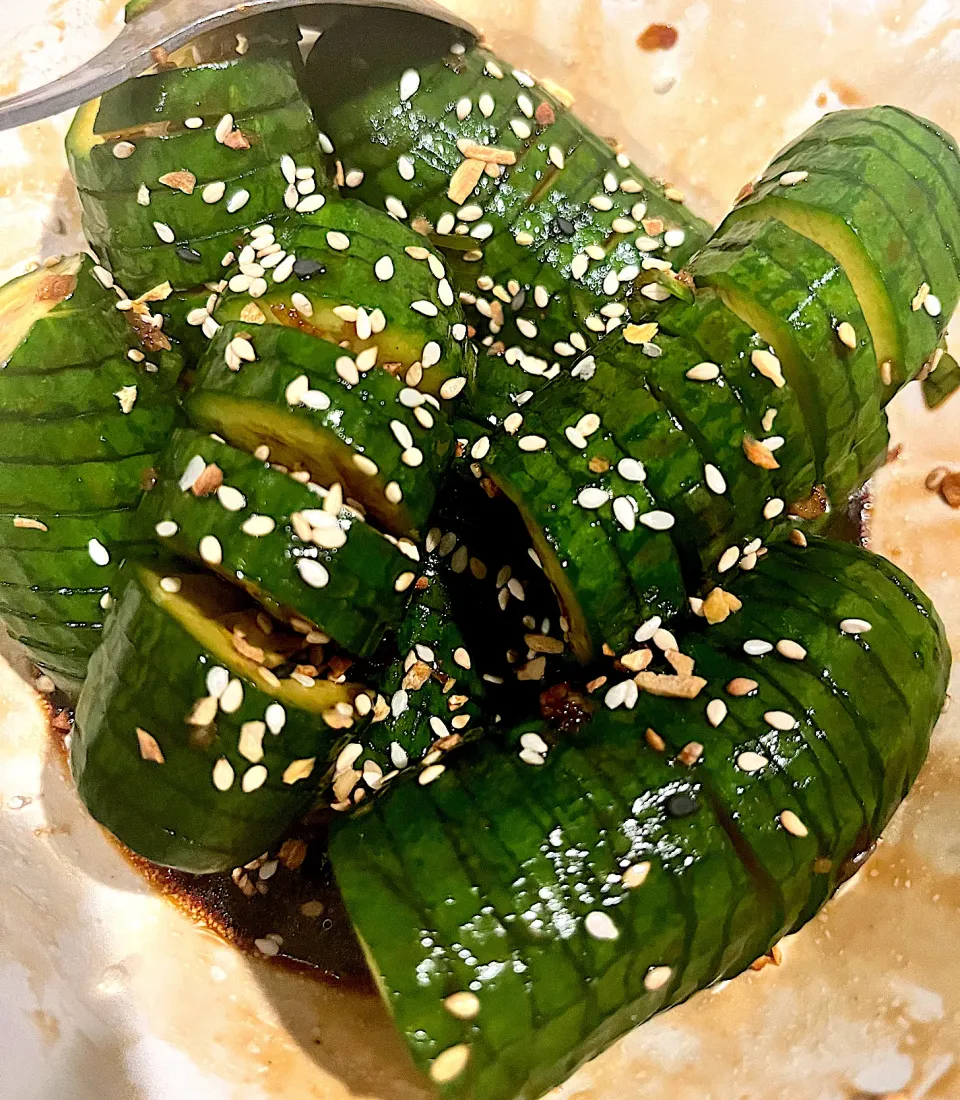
(403, 455)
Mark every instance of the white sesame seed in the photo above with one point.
(715, 480)
(486, 105)
(124, 149)
(657, 977)
(143, 195)
(481, 448)
(793, 824)
(223, 775)
(338, 241)
(790, 649)
(325, 143)
(409, 83)
(99, 554)
(657, 520)
(592, 498)
(210, 550)
(625, 510)
(450, 1063)
(257, 526)
(383, 269)
(238, 200)
(716, 712)
(579, 265)
(773, 508)
(166, 528)
(636, 875)
(401, 433)
(354, 177)
(932, 305)
(231, 499)
(284, 268)
(847, 334)
(790, 179)
(575, 438)
(768, 365)
(600, 926)
(756, 647)
(673, 238)
(164, 232)
(310, 204)
(647, 630)
(703, 372)
(393, 492)
(395, 207)
(780, 720)
(751, 761)
(630, 469)
(275, 717)
(412, 456)
(531, 443)
(430, 773)
(313, 572)
(224, 128)
(729, 558)
(855, 626)
(231, 697)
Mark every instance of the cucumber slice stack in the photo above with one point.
(550, 234)
(208, 772)
(557, 617)
(86, 405)
(703, 828)
(172, 170)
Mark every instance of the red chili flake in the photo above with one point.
(658, 36)
(565, 708)
(545, 115)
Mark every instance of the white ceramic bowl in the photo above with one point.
(107, 992)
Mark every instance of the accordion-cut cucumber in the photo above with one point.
(174, 166)
(692, 861)
(354, 276)
(85, 405)
(874, 206)
(208, 772)
(550, 245)
(293, 400)
(300, 554)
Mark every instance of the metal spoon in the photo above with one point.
(169, 24)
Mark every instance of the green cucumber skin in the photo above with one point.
(72, 460)
(348, 278)
(372, 129)
(430, 872)
(876, 223)
(172, 813)
(359, 416)
(239, 86)
(359, 603)
(838, 388)
(124, 232)
(287, 128)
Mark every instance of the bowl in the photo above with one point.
(107, 990)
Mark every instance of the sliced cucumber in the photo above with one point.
(225, 789)
(346, 258)
(325, 566)
(293, 401)
(690, 863)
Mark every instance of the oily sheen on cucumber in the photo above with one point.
(297, 549)
(307, 403)
(700, 842)
(354, 276)
(756, 402)
(208, 772)
(86, 402)
(877, 189)
(549, 231)
(174, 166)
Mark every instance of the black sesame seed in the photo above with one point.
(306, 269)
(682, 805)
(188, 255)
(566, 227)
(518, 301)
